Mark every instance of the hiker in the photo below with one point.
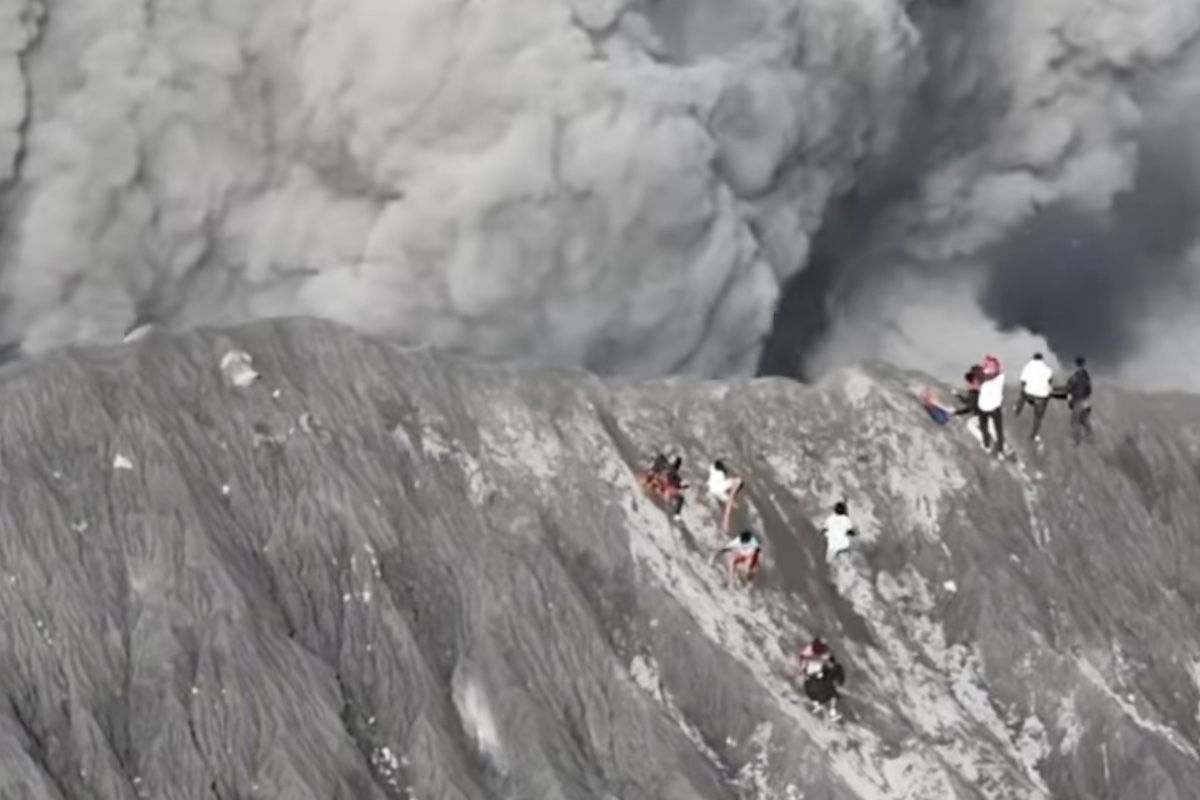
(1036, 380)
(675, 485)
(1079, 400)
(664, 480)
(821, 687)
(838, 531)
(822, 674)
(724, 488)
(969, 397)
(813, 656)
(746, 550)
(990, 408)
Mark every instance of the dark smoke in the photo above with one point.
(1085, 281)
(861, 235)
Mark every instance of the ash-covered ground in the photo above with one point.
(381, 572)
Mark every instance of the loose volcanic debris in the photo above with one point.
(463, 592)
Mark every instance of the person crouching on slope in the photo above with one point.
(1036, 379)
(991, 405)
(724, 488)
(664, 479)
(822, 674)
(838, 530)
(821, 687)
(746, 549)
(968, 397)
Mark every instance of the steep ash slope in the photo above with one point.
(384, 573)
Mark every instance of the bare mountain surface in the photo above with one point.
(381, 572)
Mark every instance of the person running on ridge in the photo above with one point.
(746, 552)
(1079, 400)
(724, 488)
(1036, 378)
(838, 530)
(991, 405)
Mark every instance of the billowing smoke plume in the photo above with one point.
(1047, 199)
(608, 184)
(1088, 280)
(627, 185)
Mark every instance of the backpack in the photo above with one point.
(1081, 384)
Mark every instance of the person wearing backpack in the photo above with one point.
(1079, 400)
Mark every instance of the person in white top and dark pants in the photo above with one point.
(991, 404)
(1036, 379)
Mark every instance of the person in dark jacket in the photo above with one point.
(821, 687)
(969, 397)
(1079, 400)
(675, 485)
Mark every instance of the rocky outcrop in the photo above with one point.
(379, 572)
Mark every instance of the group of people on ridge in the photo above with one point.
(820, 671)
(664, 478)
(983, 397)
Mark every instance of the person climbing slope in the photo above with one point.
(675, 485)
(813, 656)
(1079, 400)
(674, 473)
(838, 530)
(746, 551)
(724, 488)
(821, 687)
(991, 405)
(1036, 380)
(664, 480)
(822, 674)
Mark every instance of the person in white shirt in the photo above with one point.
(746, 549)
(838, 531)
(991, 404)
(1036, 379)
(723, 488)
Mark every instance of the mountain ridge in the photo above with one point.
(383, 572)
